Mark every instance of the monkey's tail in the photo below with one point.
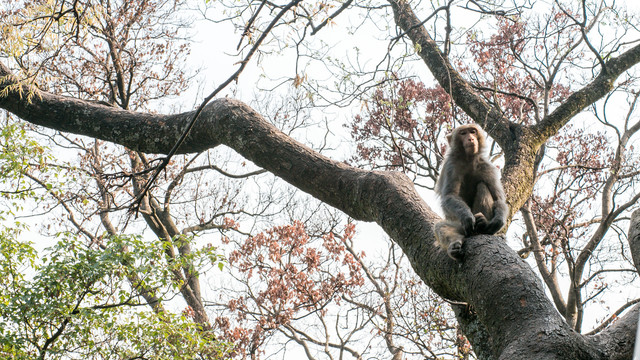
(449, 235)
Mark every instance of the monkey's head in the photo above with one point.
(466, 138)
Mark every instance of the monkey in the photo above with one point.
(470, 191)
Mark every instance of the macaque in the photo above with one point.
(470, 191)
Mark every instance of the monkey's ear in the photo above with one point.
(449, 138)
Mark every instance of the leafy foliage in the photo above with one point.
(77, 303)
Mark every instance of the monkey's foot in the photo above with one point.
(455, 250)
(481, 223)
(491, 227)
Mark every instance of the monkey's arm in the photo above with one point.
(500, 211)
(455, 208)
(452, 204)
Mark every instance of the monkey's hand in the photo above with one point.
(468, 224)
(491, 227)
(481, 223)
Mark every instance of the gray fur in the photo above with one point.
(471, 194)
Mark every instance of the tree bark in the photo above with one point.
(634, 238)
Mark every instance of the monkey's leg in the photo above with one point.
(482, 208)
(481, 222)
(483, 201)
(450, 235)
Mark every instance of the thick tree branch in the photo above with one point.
(224, 121)
(634, 238)
(619, 338)
(588, 95)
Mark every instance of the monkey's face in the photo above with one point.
(468, 137)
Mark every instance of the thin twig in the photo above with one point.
(243, 64)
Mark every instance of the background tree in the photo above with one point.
(550, 64)
(125, 55)
(289, 280)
